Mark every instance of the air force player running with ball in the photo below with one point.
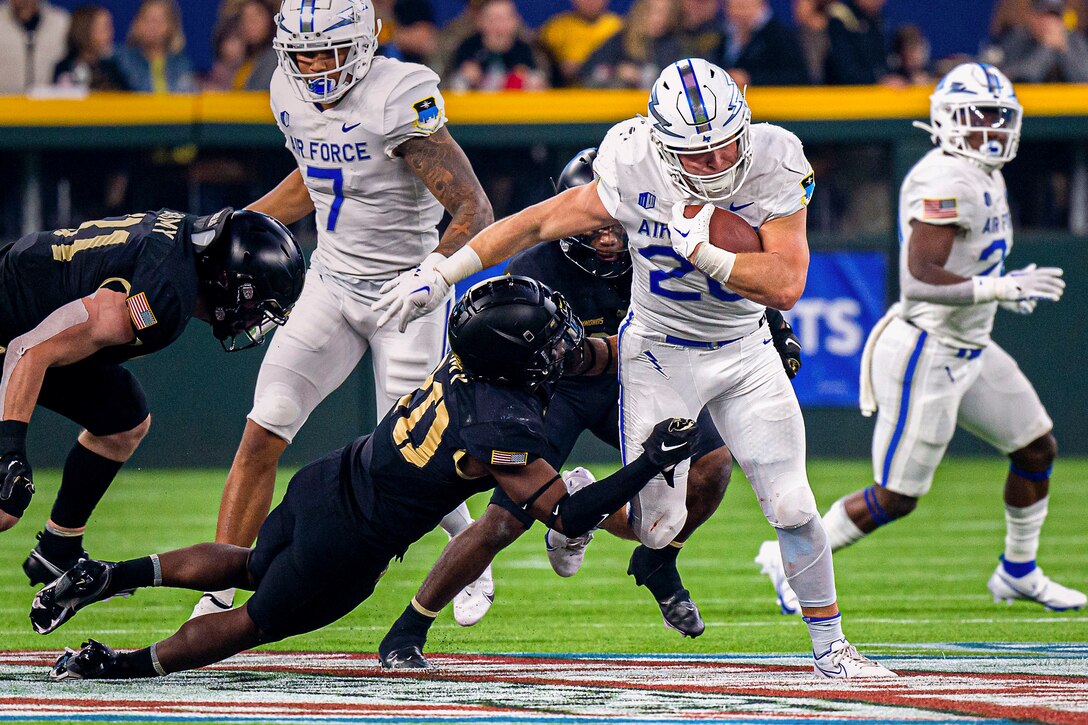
(933, 365)
(377, 165)
(689, 341)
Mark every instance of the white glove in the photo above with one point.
(687, 234)
(412, 294)
(1028, 284)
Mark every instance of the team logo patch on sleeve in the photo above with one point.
(808, 185)
(140, 312)
(506, 458)
(428, 114)
(939, 209)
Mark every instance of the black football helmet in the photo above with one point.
(515, 331)
(250, 274)
(579, 249)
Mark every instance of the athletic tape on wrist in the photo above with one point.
(156, 580)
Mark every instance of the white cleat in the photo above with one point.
(471, 603)
(1034, 586)
(769, 559)
(566, 554)
(212, 602)
(842, 661)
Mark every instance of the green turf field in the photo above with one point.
(919, 580)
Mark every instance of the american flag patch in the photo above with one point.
(140, 312)
(939, 209)
(505, 458)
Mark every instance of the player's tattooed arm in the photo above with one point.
(442, 165)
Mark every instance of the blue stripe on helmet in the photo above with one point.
(306, 24)
(694, 96)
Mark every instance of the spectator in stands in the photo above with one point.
(910, 59)
(810, 17)
(1043, 50)
(758, 48)
(571, 37)
(634, 57)
(700, 30)
(154, 60)
(857, 52)
(229, 56)
(32, 41)
(496, 58)
(90, 61)
(1009, 14)
(408, 32)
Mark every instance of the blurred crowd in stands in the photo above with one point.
(488, 46)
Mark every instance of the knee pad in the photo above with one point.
(795, 508)
(658, 533)
(277, 408)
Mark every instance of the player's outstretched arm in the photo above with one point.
(540, 491)
(442, 166)
(69, 334)
(288, 202)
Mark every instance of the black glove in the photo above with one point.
(787, 344)
(671, 441)
(16, 480)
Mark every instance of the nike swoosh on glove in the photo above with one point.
(671, 441)
(411, 295)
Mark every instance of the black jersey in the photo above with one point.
(149, 256)
(407, 475)
(601, 304)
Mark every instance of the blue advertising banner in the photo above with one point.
(843, 299)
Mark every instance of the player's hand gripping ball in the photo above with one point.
(694, 224)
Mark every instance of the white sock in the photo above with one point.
(456, 521)
(841, 529)
(1022, 528)
(824, 631)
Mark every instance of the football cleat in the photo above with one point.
(41, 570)
(471, 603)
(91, 662)
(1034, 586)
(842, 661)
(566, 554)
(681, 614)
(85, 583)
(212, 602)
(770, 560)
(405, 658)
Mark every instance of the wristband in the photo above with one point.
(462, 263)
(714, 262)
(13, 437)
(985, 289)
(432, 260)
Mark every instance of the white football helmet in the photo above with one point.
(347, 27)
(696, 107)
(975, 100)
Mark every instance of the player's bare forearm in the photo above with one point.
(599, 356)
(575, 211)
(288, 202)
(776, 276)
(441, 164)
(928, 252)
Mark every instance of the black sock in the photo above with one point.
(655, 569)
(86, 477)
(133, 574)
(60, 549)
(130, 665)
(410, 628)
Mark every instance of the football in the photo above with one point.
(729, 231)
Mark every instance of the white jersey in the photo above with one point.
(375, 217)
(943, 189)
(667, 293)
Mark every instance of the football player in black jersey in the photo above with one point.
(476, 422)
(593, 272)
(77, 303)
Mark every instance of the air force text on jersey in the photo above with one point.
(334, 153)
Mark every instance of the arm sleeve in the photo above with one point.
(414, 109)
(797, 178)
(585, 509)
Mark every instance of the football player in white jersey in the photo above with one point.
(930, 364)
(377, 165)
(696, 334)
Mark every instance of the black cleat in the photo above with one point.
(405, 658)
(85, 583)
(42, 570)
(681, 614)
(92, 662)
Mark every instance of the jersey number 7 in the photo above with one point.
(337, 178)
